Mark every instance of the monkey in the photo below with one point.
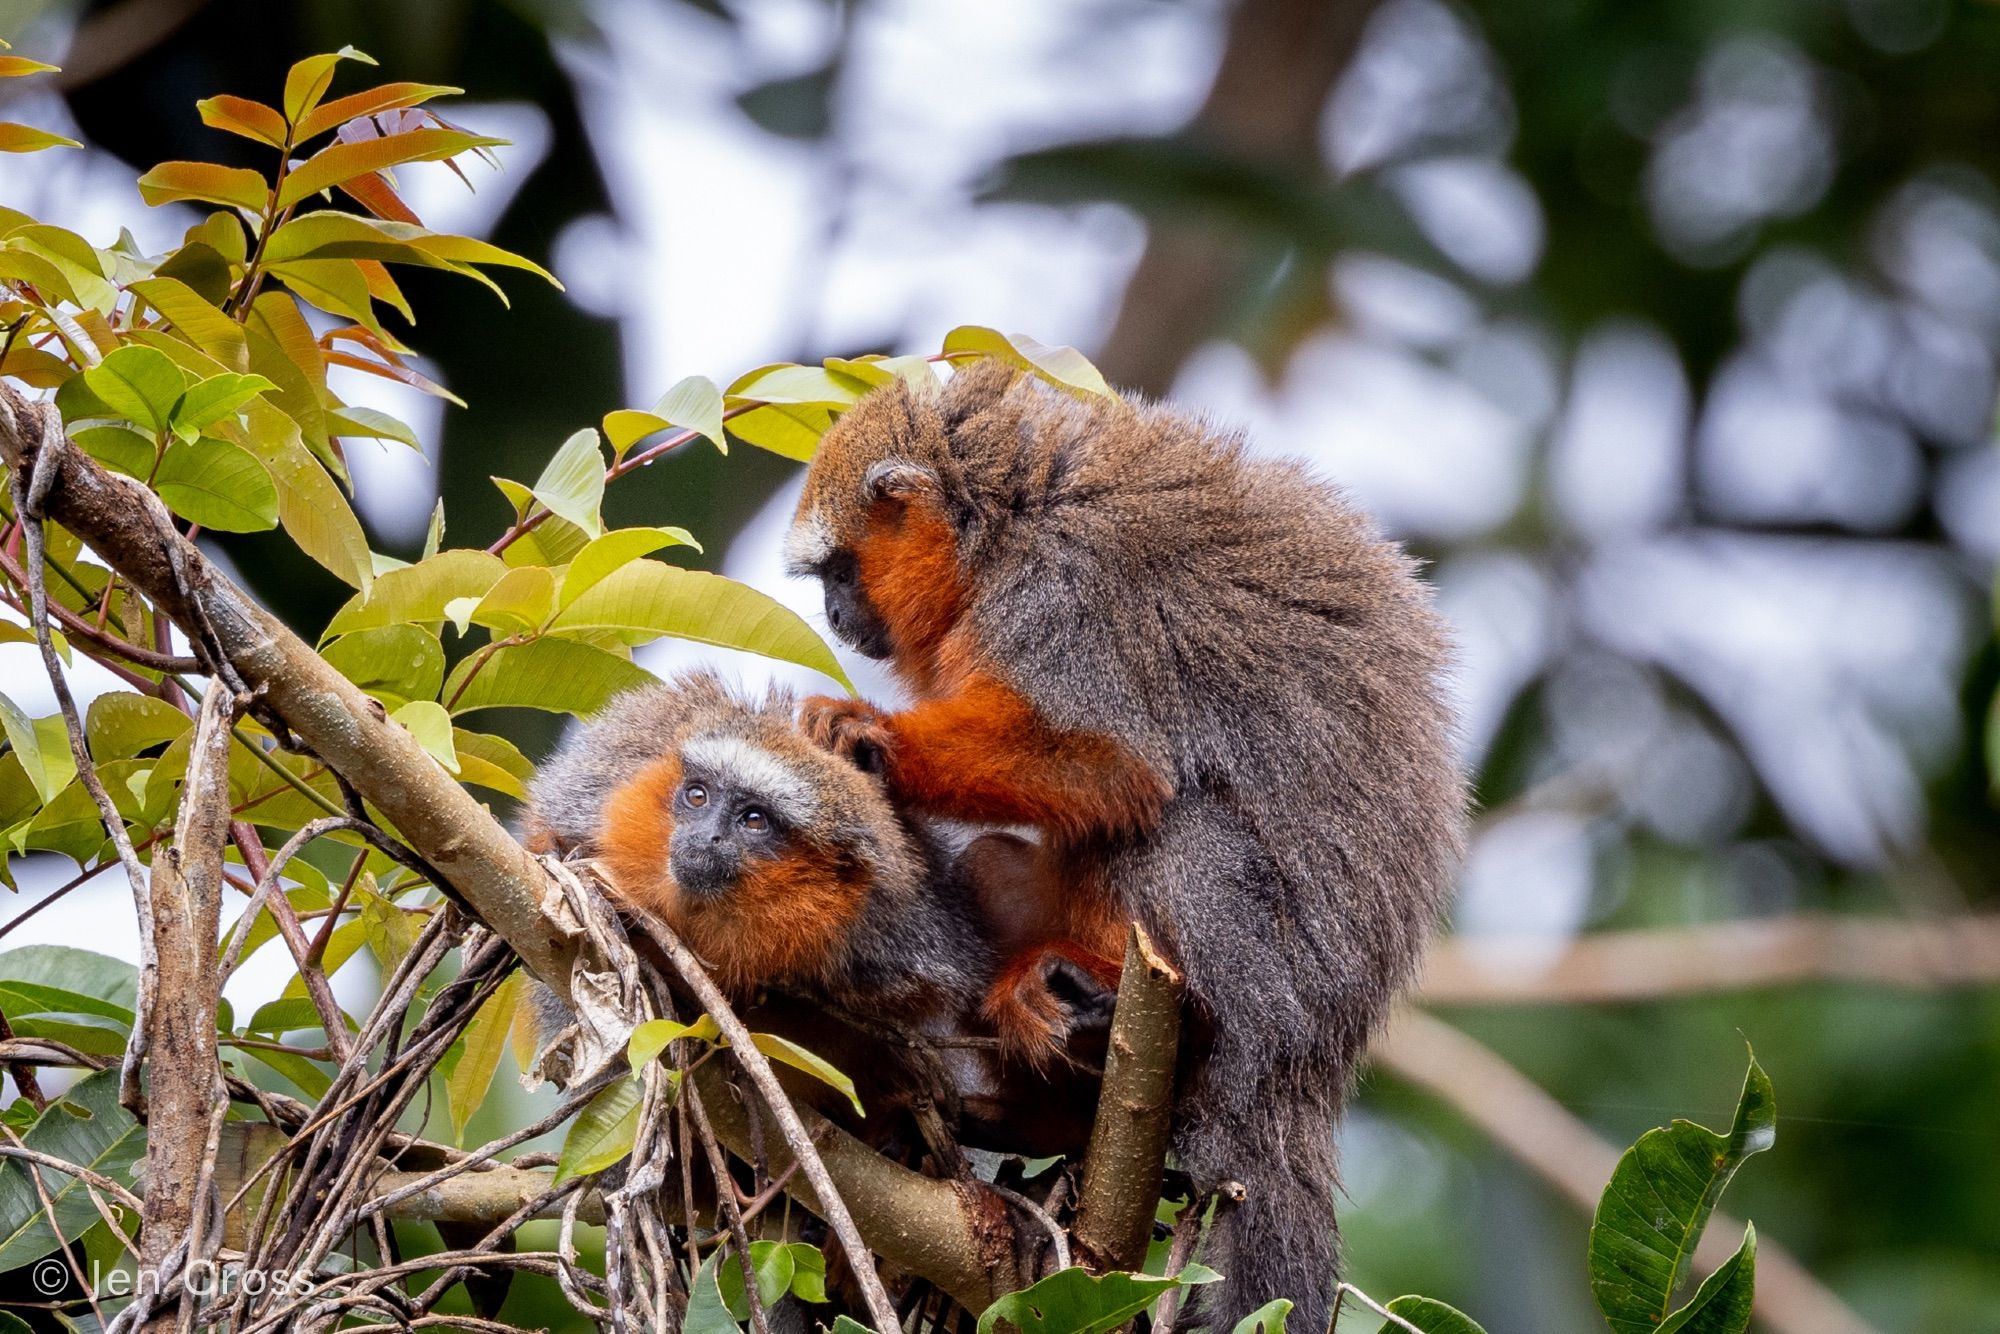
(1218, 697)
(789, 872)
(776, 862)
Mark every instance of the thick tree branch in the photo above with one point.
(1128, 1142)
(1614, 966)
(1549, 1140)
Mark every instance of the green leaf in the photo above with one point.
(1659, 1199)
(418, 593)
(646, 599)
(139, 384)
(695, 404)
(790, 1053)
(343, 161)
(613, 551)
(572, 485)
(293, 1014)
(706, 1312)
(304, 1075)
(111, 981)
(1431, 1316)
(119, 448)
(394, 663)
(1721, 1305)
(555, 675)
(649, 1039)
(1266, 1319)
(87, 1127)
(1075, 1301)
(431, 726)
(18, 998)
(120, 724)
(233, 187)
(1064, 367)
(808, 1272)
(775, 1265)
(479, 1058)
(217, 397)
(603, 1132)
(42, 744)
(307, 81)
(217, 485)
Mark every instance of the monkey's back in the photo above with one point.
(1235, 622)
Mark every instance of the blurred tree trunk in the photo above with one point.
(1279, 65)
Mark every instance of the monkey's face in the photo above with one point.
(871, 477)
(735, 813)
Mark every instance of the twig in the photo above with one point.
(829, 1204)
(726, 1205)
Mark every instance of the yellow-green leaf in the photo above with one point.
(42, 745)
(14, 67)
(16, 138)
(479, 1057)
(1064, 367)
(418, 593)
(199, 322)
(788, 430)
(603, 1132)
(554, 675)
(614, 550)
(307, 81)
(572, 485)
(646, 599)
(695, 404)
(788, 1052)
(235, 187)
(329, 234)
(394, 663)
(522, 601)
(431, 726)
(343, 161)
(492, 762)
(649, 1039)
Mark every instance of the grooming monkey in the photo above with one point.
(1215, 692)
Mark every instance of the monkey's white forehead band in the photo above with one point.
(808, 543)
(755, 770)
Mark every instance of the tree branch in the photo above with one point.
(1519, 1116)
(1615, 966)
(1128, 1142)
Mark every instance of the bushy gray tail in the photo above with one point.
(1281, 1240)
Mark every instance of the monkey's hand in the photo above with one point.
(853, 729)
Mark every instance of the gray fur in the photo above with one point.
(1234, 622)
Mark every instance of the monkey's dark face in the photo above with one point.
(850, 613)
(722, 830)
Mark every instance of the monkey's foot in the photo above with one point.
(853, 729)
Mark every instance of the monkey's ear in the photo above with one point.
(892, 479)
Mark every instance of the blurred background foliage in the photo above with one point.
(1665, 332)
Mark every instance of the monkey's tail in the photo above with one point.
(1274, 1138)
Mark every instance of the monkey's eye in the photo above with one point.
(755, 820)
(696, 794)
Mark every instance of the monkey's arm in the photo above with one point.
(983, 753)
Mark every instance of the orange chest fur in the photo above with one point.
(784, 918)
